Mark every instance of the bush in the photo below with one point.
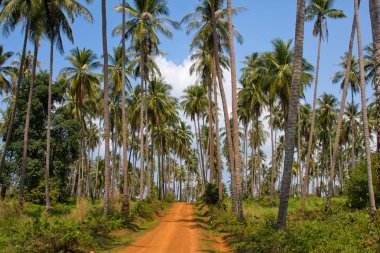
(211, 195)
(170, 197)
(357, 185)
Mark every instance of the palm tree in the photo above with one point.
(292, 116)
(340, 117)
(194, 103)
(146, 18)
(125, 206)
(235, 119)
(14, 12)
(106, 111)
(37, 23)
(364, 112)
(57, 21)
(4, 70)
(374, 8)
(212, 29)
(320, 10)
(83, 83)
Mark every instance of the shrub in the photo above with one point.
(143, 210)
(357, 185)
(170, 197)
(211, 196)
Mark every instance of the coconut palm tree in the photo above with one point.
(292, 116)
(106, 110)
(146, 19)
(83, 83)
(194, 103)
(13, 13)
(364, 113)
(347, 79)
(4, 70)
(320, 10)
(59, 14)
(211, 24)
(37, 23)
(374, 8)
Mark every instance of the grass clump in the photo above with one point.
(66, 228)
(341, 230)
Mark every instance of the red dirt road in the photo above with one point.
(177, 233)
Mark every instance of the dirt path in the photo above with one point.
(178, 232)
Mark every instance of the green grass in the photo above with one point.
(341, 230)
(72, 228)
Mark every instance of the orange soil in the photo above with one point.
(178, 232)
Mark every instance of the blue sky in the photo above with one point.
(262, 22)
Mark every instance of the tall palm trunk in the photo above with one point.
(352, 127)
(106, 112)
(210, 127)
(312, 127)
(217, 136)
(27, 121)
(365, 115)
(201, 150)
(274, 163)
(142, 76)
(374, 7)
(235, 120)
(125, 204)
(225, 111)
(291, 125)
(48, 142)
(13, 106)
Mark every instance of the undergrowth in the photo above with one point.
(67, 228)
(341, 230)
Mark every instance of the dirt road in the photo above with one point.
(178, 232)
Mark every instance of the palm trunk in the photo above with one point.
(106, 111)
(13, 107)
(27, 122)
(217, 136)
(311, 135)
(225, 110)
(235, 120)
(125, 202)
(201, 151)
(299, 176)
(352, 125)
(47, 168)
(374, 9)
(365, 115)
(273, 170)
(211, 132)
(142, 131)
(292, 116)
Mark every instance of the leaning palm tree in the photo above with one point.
(292, 116)
(374, 8)
(364, 112)
(320, 10)
(340, 117)
(37, 24)
(148, 17)
(83, 83)
(235, 120)
(13, 13)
